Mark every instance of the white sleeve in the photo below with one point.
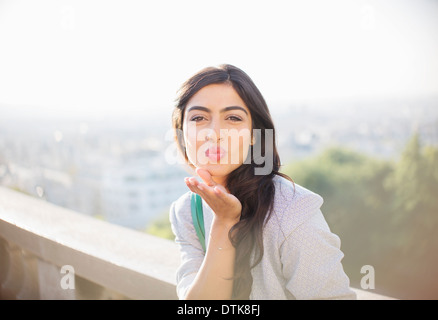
(311, 260)
(191, 250)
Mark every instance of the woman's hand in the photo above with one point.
(214, 279)
(227, 207)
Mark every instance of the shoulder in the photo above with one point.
(293, 205)
(180, 210)
(290, 195)
(183, 202)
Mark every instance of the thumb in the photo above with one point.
(206, 177)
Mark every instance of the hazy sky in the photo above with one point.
(112, 57)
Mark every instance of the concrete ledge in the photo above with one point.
(135, 264)
(38, 238)
(369, 295)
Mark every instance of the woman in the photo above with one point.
(266, 237)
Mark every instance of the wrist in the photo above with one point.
(219, 234)
(224, 223)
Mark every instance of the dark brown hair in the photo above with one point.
(255, 192)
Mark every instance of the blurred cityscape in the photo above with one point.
(118, 169)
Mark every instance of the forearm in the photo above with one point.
(215, 276)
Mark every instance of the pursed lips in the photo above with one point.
(215, 153)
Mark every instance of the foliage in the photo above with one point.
(384, 212)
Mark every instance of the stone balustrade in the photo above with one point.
(49, 252)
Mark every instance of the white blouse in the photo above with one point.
(302, 257)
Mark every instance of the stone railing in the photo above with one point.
(49, 252)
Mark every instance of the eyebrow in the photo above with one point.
(222, 111)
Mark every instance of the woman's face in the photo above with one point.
(217, 130)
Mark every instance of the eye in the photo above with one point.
(197, 118)
(234, 118)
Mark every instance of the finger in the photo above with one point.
(189, 185)
(210, 194)
(194, 182)
(221, 193)
(198, 187)
(218, 191)
(205, 176)
(207, 193)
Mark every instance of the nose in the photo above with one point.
(214, 132)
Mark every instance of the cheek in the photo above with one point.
(195, 145)
(189, 131)
(190, 142)
(238, 146)
(194, 137)
(244, 145)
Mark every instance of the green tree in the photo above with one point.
(385, 212)
(414, 185)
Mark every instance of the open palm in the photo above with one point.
(225, 205)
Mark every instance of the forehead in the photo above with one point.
(216, 97)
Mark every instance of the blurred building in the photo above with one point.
(134, 192)
(122, 178)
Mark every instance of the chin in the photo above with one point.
(218, 170)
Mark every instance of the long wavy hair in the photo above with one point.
(255, 192)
